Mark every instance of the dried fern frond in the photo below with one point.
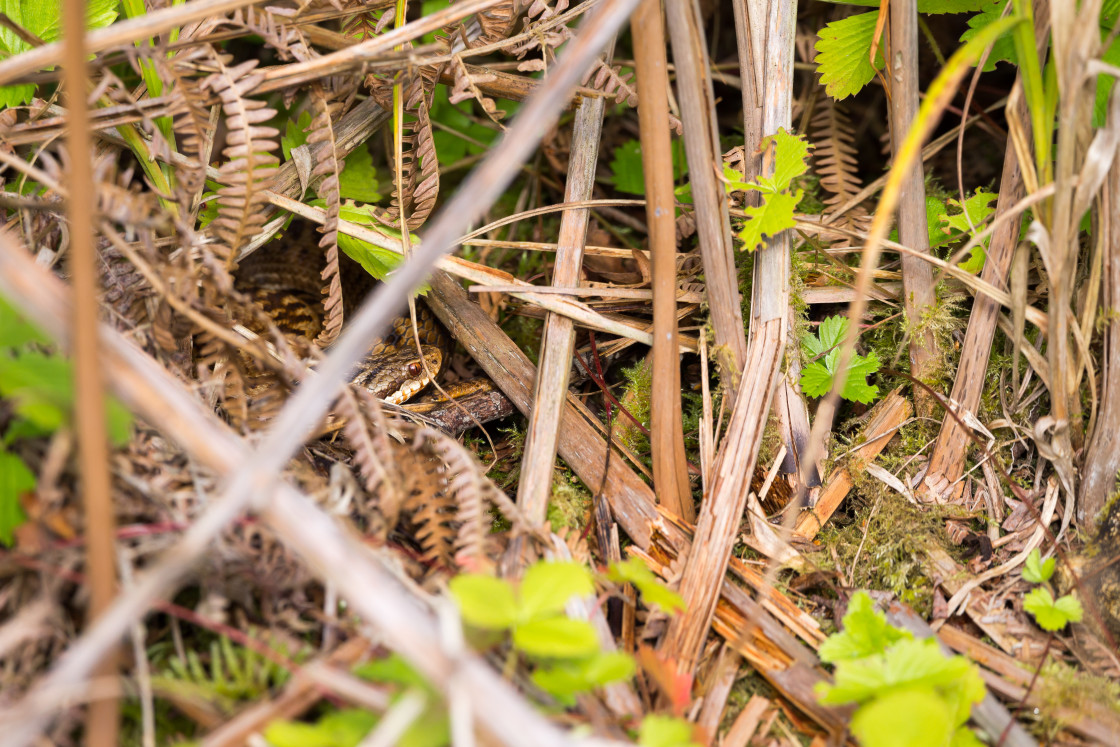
(329, 167)
(251, 162)
(190, 115)
(834, 152)
(466, 87)
(419, 178)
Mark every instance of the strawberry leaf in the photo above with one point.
(843, 48)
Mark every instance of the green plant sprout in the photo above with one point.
(1051, 614)
(945, 228)
(906, 691)
(40, 387)
(774, 213)
(570, 660)
(822, 352)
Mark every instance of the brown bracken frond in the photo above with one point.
(835, 153)
(250, 158)
(329, 167)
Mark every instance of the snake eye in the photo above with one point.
(414, 369)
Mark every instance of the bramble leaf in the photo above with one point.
(547, 587)
(866, 632)
(665, 731)
(653, 592)
(772, 216)
(556, 637)
(976, 209)
(790, 154)
(484, 601)
(843, 48)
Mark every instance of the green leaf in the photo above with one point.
(556, 637)
(547, 587)
(338, 729)
(866, 632)
(915, 718)
(14, 330)
(1003, 50)
(815, 381)
(1105, 84)
(935, 209)
(843, 49)
(1036, 570)
(627, 174)
(295, 133)
(391, 670)
(358, 180)
(790, 154)
(817, 375)
(15, 480)
(772, 216)
(1052, 616)
(977, 209)
(565, 681)
(1070, 607)
(653, 591)
(665, 731)
(42, 18)
(484, 601)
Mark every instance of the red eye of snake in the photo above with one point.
(414, 369)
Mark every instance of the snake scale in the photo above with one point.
(285, 279)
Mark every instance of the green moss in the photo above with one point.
(570, 503)
(1065, 688)
(892, 557)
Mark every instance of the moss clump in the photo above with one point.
(570, 503)
(636, 396)
(1064, 688)
(893, 535)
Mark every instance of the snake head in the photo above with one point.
(397, 377)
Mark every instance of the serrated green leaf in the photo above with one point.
(791, 153)
(1040, 603)
(556, 637)
(653, 592)
(865, 632)
(295, 133)
(358, 180)
(935, 209)
(815, 380)
(843, 49)
(1069, 606)
(484, 601)
(832, 330)
(915, 718)
(15, 480)
(1003, 50)
(547, 587)
(568, 679)
(1036, 570)
(665, 731)
(856, 388)
(772, 216)
(42, 18)
(976, 209)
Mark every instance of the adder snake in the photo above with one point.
(284, 278)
